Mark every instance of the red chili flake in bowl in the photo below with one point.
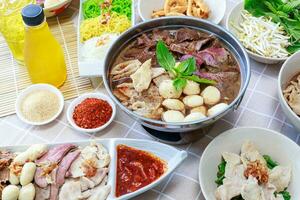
(92, 113)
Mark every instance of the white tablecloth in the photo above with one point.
(260, 107)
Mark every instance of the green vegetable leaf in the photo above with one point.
(270, 162)
(179, 83)
(294, 48)
(182, 72)
(199, 80)
(285, 194)
(164, 57)
(287, 13)
(187, 67)
(221, 173)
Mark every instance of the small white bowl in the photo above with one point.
(289, 69)
(36, 87)
(78, 100)
(269, 142)
(56, 8)
(217, 8)
(234, 17)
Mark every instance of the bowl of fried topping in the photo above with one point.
(203, 9)
(39, 104)
(259, 164)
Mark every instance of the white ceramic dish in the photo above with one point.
(78, 100)
(217, 7)
(88, 67)
(171, 155)
(36, 87)
(57, 8)
(289, 69)
(278, 146)
(234, 17)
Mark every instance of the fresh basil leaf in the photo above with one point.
(199, 80)
(187, 67)
(164, 57)
(179, 83)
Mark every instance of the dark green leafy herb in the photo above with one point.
(221, 173)
(182, 72)
(270, 162)
(286, 195)
(164, 57)
(285, 13)
(179, 83)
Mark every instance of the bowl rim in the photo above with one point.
(280, 89)
(236, 131)
(79, 99)
(29, 90)
(216, 22)
(251, 53)
(235, 102)
(59, 4)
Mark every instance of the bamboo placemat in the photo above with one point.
(14, 78)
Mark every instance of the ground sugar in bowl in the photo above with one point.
(39, 104)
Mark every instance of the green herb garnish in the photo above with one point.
(221, 173)
(285, 194)
(182, 72)
(285, 13)
(270, 162)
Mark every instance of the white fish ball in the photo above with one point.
(173, 116)
(193, 101)
(27, 192)
(167, 90)
(173, 104)
(217, 109)
(13, 178)
(211, 95)
(191, 88)
(10, 192)
(194, 116)
(27, 173)
(201, 109)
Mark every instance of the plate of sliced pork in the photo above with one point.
(93, 170)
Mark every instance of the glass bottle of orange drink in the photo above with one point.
(43, 55)
(11, 25)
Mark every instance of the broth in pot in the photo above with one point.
(175, 76)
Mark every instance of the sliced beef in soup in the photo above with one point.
(182, 67)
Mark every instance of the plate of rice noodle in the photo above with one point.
(100, 23)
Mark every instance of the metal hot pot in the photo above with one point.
(178, 133)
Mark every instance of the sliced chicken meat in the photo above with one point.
(280, 177)
(249, 153)
(251, 190)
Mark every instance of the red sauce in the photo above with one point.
(136, 169)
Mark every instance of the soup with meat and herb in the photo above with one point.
(175, 75)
